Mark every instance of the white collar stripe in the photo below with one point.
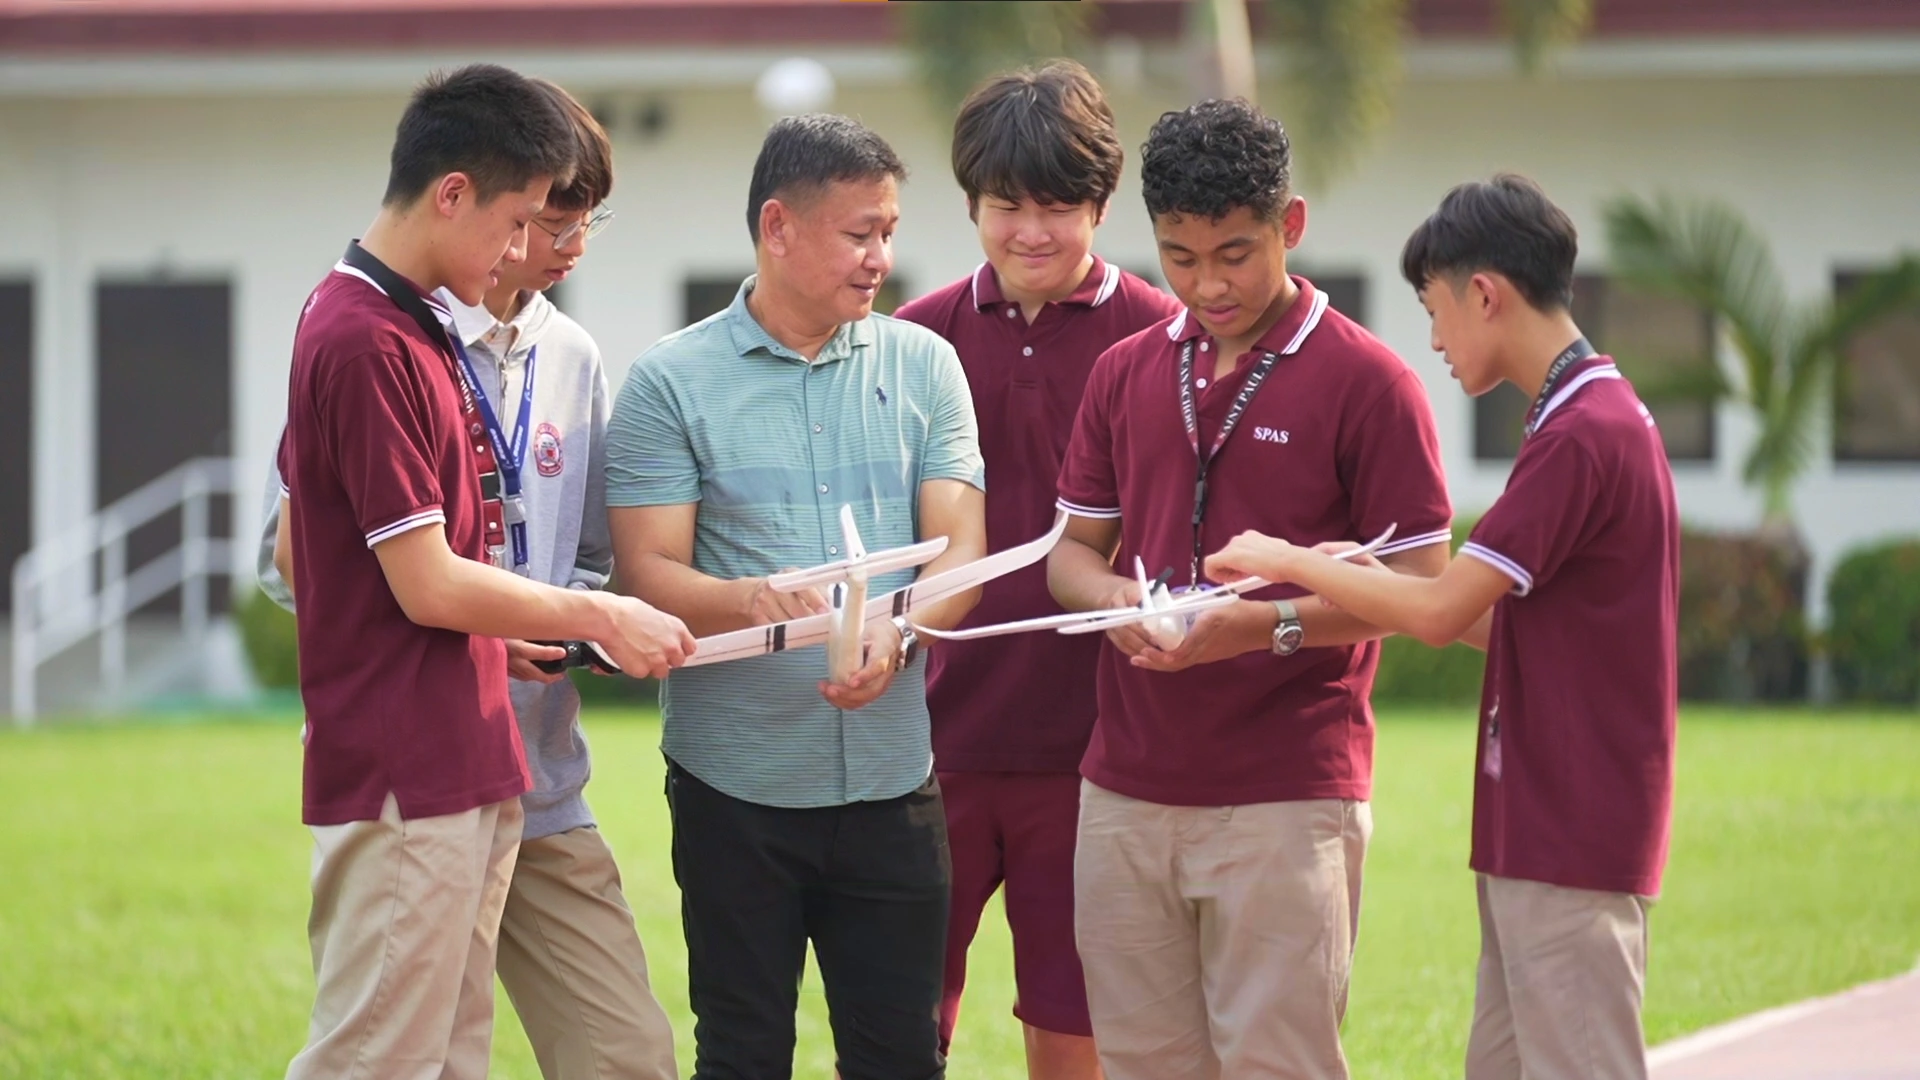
(977, 271)
(1108, 285)
(434, 305)
(343, 268)
(1592, 374)
(1318, 308)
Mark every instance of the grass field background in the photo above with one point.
(153, 894)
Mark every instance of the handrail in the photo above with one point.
(39, 636)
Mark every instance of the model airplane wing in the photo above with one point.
(932, 590)
(761, 640)
(1044, 622)
(816, 629)
(858, 560)
(1182, 604)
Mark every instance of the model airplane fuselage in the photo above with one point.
(846, 584)
(852, 609)
(1165, 616)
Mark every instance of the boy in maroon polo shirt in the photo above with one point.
(414, 766)
(1038, 157)
(1224, 819)
(1571, 585)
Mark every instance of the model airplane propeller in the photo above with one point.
(1166, 616)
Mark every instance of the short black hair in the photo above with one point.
(803, 154)
(1506, 225)
(1210, 159)
(486, 121)
(1044, 133)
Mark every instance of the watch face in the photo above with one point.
(1287, 639)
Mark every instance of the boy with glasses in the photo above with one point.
(569, 955)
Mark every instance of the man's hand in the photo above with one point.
(766, 605)
(644, 639)
(1252, 555)
(522, 654)
(1217, 634)
(865, 686)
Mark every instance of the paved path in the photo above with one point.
(1871, 1032)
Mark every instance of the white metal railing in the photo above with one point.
(42, 630)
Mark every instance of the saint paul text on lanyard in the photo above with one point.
(1189, 412)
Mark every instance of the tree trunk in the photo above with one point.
(1222, 50)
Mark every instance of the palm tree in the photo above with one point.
(1706, 253)
(1342, 57)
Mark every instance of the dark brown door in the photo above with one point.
(164, 395)
(16, 430)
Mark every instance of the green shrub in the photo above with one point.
(272, 644)
(615, 691)
(1873, 628)
(1743, 634)
(1413, 672)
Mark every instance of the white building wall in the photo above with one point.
(265, 184)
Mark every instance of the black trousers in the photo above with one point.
(868, 883)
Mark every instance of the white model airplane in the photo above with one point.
(843, 628)
(1166, 616)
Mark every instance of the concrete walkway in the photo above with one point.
(1871, 1032)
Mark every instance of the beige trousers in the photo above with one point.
(1561, 975)
(572, 964)
(404, 922)
(1217, 941)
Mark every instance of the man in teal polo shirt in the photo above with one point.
(803, 810)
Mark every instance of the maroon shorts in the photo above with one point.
(1017, 829)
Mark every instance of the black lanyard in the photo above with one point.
(1568, 357)
(401, 292)
(1204, 462)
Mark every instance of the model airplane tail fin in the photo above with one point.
(856, 551)
(1146, 587)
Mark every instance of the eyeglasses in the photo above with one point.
(591, 225)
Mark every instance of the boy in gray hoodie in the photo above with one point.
(569, 955)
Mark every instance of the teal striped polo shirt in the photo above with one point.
(770, 446)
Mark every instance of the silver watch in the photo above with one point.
(909, 644)
(1288, 634)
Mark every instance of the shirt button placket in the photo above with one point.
(829, 520)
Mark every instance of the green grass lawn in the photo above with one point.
(153, 893)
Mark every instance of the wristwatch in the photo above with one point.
(909, 644)
(1288, 634)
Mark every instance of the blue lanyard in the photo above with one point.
(510, 454)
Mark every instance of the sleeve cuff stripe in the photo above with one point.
(1522, 581)
(1088, 511)
(1441, 536)
(435, 516)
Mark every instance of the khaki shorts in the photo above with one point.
(1217, 941)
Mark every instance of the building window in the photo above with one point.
(704, 294)
(1876, 414)
(1346, 293)
(1654, 338)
